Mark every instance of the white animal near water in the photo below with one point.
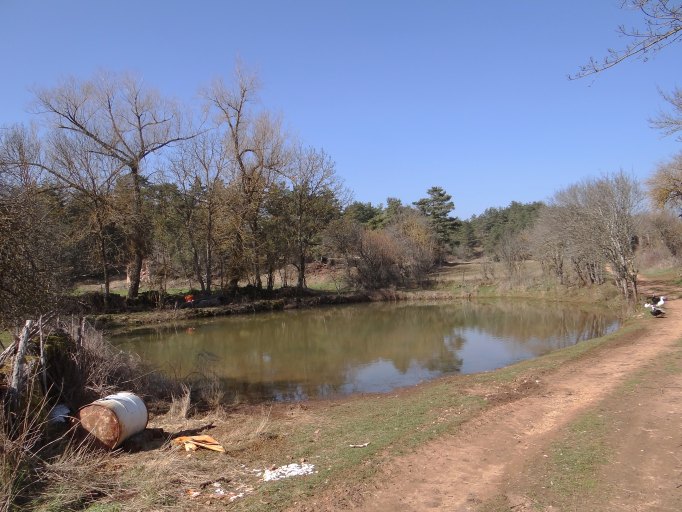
(655, 304)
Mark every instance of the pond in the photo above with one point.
(336, 351)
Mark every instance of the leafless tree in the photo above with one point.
(90, 179)
(599, 216)
(123, 120)
(32, 267)
(256, 144)
(547, 243)
(665, 185)
(418, 245)
(512, 250)
(660, 239)
(661, 27)
(315, 196)
(670, 123)
(201, 169)
(400, 253)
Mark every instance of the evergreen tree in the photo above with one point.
(364, 213)
(437, 208)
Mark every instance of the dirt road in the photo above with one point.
(496, 461)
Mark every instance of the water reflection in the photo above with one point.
(296, 355)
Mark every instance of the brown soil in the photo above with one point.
(497, 461)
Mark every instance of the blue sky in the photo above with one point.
(404, 95)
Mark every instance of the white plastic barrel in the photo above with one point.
(113, 419)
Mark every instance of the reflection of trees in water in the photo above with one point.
(539, 325)
(300, 354)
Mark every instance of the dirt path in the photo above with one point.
(488, 457)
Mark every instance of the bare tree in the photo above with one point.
(547, 243)
(661, 27)
(201, 169)
(512, 250)
(670, 123)
(418, 243)
(91, 178)
(660, 239)
(124, 121)
(256, 145)
(401, 253)
(314, 201)
(599, 216)
(32, 266)
(665, 185)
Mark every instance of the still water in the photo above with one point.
(296, 355)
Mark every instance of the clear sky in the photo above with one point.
(472, 96)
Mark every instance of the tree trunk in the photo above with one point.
(107, 285)
(271, 277)
(258, 281)
(136, 271)
(138, 235)
(301, 271)
(105, 272)
(209, 266)
(255, 232)
(222, 273)
(197, 267)
(104, 259)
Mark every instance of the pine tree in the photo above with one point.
(437, 208)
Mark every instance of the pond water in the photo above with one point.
(336, 351)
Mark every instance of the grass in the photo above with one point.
(392, 425)
(578, 458)
(667, 274)
(568, 476)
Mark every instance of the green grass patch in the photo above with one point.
(578, 458)
(327, 286)
(667, 274)
(569, 473)
(392, 425)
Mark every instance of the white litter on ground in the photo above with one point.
(288, 471)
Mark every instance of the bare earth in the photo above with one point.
(495, 462)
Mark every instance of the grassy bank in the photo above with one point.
(317, 432)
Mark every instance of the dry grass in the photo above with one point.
(247, 429)
(16, 464)
(21, 440)
(74, 478)
(42, 467)
(181, 404)
(211, 392)
(164, 478)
